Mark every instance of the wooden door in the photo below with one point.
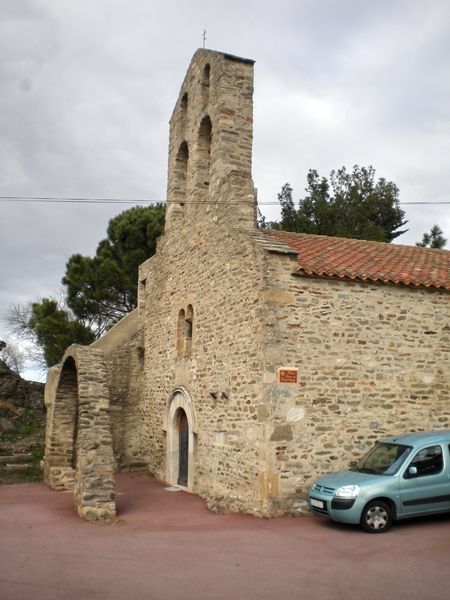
(183, 437)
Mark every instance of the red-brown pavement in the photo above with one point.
(168, 546)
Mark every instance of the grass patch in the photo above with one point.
(27, 430)
(30, 440)
(32, 475)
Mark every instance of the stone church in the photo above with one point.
(256, 359)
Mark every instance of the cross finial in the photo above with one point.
(204, 37)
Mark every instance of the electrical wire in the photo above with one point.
(75, 200)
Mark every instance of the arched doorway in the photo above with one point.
(181, 433)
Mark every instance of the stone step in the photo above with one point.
(14, 459)
(135, 465)
(17, 468)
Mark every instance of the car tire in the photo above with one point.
(377, 517)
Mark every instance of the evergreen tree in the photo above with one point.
(103, 288)
(99, 289)
(434, 239)
(351, 205)
(55, 329)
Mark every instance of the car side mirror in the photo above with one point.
(412, 471)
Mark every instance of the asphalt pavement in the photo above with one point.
(166, 545)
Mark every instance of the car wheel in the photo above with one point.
(376, 517)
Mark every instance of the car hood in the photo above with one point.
(336, 480)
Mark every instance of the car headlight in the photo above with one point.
(348, 491)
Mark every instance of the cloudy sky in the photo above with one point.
(87, 89)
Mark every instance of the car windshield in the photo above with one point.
(383, 459)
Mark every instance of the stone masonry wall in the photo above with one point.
(207, 266)
(373, 360)
(123, 349)
(125, 366)
(222, 285)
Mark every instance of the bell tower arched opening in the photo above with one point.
(202, 166)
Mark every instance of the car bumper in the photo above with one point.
(344, 510)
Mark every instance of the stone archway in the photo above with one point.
(78, 451)
(180, 421)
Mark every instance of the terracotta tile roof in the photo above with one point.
(324, 256)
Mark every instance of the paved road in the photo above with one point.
(169, 547)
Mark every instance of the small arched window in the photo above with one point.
(188, 327)
(184, 102)
(185, 326)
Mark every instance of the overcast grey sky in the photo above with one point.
(87, 89)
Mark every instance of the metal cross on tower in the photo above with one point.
(204, 37)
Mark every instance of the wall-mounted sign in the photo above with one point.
(287, 375)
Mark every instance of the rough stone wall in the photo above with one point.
(123, 350)
(206, 264)
(373, 360)
(125, 366)
(222, 285)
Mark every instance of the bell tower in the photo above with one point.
(210, 147)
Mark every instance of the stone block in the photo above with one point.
(281, 433)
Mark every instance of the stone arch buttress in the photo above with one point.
(79, 452)
(179, 403)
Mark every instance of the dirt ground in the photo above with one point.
(167, 545)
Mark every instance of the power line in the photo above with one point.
(75, 200)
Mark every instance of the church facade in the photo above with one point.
(256, 359)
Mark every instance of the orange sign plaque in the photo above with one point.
(286, 375)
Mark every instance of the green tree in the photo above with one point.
(352, 205)
(288, 213)
(99, 289)
(55, 329)
(434, 239)
(103, 288)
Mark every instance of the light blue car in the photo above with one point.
(402, 476)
